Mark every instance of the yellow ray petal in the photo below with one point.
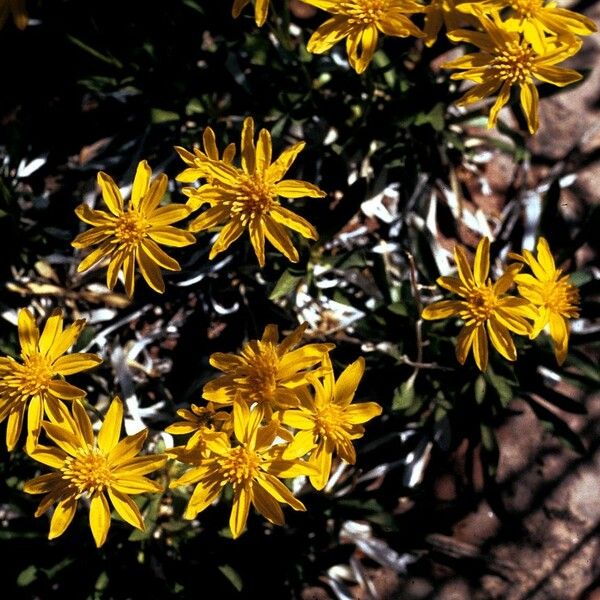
(110, 431)
(99, 518)
(141, 183)
(110, 194)
(348, 381)
(239, 510)
(150, 271)
(442, 309)
(75, 363)
(480, 348)
(266, 505)
(362, 412)
(28, 333)
(126, 508)
(62, 517)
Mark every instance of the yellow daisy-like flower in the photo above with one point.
(197, 162)
(261, 10)
(508, 59)
(361, 22)
(266, 371)
(130, 234)
(549, 291)
(18, 11)
(535, 18)
(202, 422)
(36, 383)
(329, 420)
(252, 465)
(92, 467)
(442, 13)
(248, 198)
(485, 309)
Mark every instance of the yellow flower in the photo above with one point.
(554, 298)
(249, 197)
(266, 371)
(201, 421)
(36, 383)
(18, 10)
(484, 307)
(132, 233)
(535, 18)
(197, 162)
(92, 467)
(329, 420)
(441, 13)
(261, 9)
(361, 22)
(507, 59)
(252, 466)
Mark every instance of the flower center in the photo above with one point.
(514, 62)
(330, 421)
(36, 375)
(88, 472)
(364, 12)
(240, 465)
(562, 297)
(131, 228)
(481, 303)
(260, 377)
(525, 9)
(255, 197)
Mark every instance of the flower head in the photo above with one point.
(252, 465)
(130, 234)
(92, 467)
(248, 198)
(328, 421)
(198, 160)
(18, 11)
(549, 291)
(485, 308)
(261, 10)
(507, 59)
(361, 22)
(442, 13)
(202, 422)
(35, 383)
(536, 18)
(266, 371)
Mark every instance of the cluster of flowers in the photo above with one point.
(276, 412)
(519, 40)
(281, 415)
(546, 300)
(239, 198)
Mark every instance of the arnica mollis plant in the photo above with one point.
(299, 299)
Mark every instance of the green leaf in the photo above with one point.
(404, 396)
(232, 576)
(95, 53)
(579, 278)
(480, 389)
(398, 308)
(502, 385)
(490, 453)
(163, 116)
(435, 117)
(27, 576)
(290, 279)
